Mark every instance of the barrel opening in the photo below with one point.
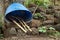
(21, 14)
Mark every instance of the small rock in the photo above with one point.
(40, 9)
(57, 27)
(32, 5)
(56, 7)
(34, 31)
(50, 17)
(56, 21)
(20, 33)
(50, 7)
(57, 14)
(13, 31)
(50, 11)
(36, 23)
(48, 22)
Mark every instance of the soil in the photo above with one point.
(22, 36)
(29, 38)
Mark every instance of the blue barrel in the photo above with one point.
(17, 9)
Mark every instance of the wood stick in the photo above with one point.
(27, 25)
(21, 23)
(18, 25)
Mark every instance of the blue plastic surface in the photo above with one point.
(17, 9)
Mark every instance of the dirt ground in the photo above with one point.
(29, 38)
(23, 36)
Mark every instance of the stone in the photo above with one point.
(34, 31)
(36, 23)
(57, 14)
(50, 17)
(48, 22)
(13, 31)
(57, 27)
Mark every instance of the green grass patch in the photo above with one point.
(1, 19)
(50, 31)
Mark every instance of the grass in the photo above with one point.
(1, 24)
(1, 19)
(44, 3)
(50, 31)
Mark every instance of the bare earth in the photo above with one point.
(29, 37)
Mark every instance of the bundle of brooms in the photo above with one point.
(20, 23)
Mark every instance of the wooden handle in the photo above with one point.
(27, 25)
(23, 26)
(19, 26)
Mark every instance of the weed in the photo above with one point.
(38, 16)
(1, 24)
(44, 3)
(49, 31)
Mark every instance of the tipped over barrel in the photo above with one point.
(17, 9)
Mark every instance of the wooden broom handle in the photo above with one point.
(27, 25)
(19, 26)
(23, 25)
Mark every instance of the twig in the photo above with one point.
(35, 9)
